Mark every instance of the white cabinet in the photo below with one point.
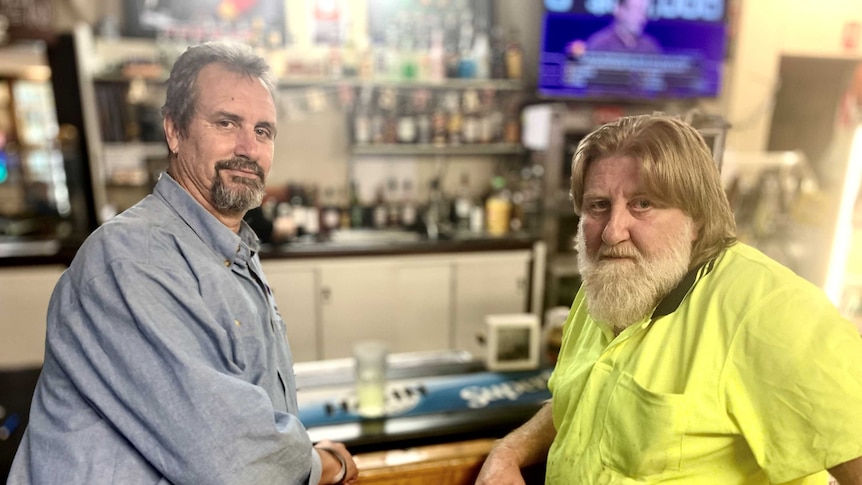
(24, 295)
(294, 287)
(415, 303)
(487, 283)
(405, 301)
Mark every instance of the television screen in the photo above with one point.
(632, 49)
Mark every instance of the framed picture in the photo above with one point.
(513, 341)
(202, 19)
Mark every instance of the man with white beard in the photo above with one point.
(687, 357)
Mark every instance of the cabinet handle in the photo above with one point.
(325, 293)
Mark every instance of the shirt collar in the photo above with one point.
(228, 245)
(674, 299)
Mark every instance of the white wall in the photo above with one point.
(766, 30)
(24, 295)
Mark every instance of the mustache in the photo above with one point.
(241, 164)
(626, 251)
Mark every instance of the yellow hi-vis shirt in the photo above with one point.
(744, 374)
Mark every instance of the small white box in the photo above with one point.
(513, 341)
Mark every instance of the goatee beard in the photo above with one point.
(623, 292)
(244, 194)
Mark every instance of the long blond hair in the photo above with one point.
(678, 169)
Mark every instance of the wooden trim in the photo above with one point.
(450, 463)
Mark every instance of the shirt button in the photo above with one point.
(237, 323)
(227, 263)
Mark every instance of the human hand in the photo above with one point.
(500, 469)
(335, 458)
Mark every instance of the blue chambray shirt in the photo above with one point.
(166, 360)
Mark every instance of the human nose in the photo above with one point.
(247, 144)
(616, 228)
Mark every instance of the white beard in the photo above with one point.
(623, 292)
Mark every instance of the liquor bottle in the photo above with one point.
(466, 59)
(409, 212)
(390, 62)
(514, 57)
(454, 118)
(471, 122)
(450, 43)
(439, 122)
(343, 209)
(387, 103)
(407, 129)
(436, 56)
(330, 214)
(365, 52)
(362, 118)
(498, 53)
(420, 102)
(379, 213)
(312, 212)
(491, 118)
(407, 49)
(377, 123)
(512, 122)
(463, 204)
(498, 208)
(355, 207)
(298, 208)
(393, 204)
(481, 55)
(283, 225)
(422, 52)
(437, 213)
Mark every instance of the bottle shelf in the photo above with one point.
(145, 148)
(449, 83)
(422, 149)
(292, 82)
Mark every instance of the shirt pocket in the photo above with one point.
(642, 431)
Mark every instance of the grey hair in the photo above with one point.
(181, 99)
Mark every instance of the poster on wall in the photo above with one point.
(254, 21)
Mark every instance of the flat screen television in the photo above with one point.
(585, 55)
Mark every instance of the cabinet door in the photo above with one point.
(402, 301)
(24, 296)
(487, 284)
(294, 287)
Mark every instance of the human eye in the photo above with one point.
(642, 204)
(596, 206)
(225, 123)
(264, 132)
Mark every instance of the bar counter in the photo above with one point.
(431, 397)
(31, 252)
(392, 243)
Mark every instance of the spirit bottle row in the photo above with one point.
(435, 117)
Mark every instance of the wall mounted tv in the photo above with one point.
(590, 49)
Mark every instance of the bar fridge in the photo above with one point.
(47, 191)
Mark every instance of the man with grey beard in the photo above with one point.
(687, 357)
(166, 359)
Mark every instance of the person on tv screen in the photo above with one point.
(626, 31)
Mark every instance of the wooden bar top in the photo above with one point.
(449, 463)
